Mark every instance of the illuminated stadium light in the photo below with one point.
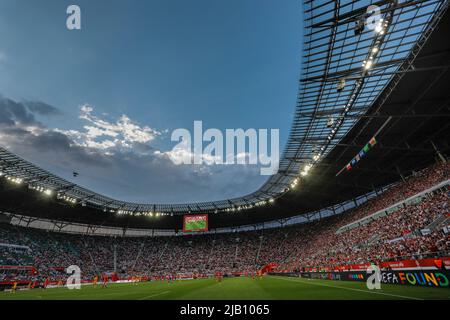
(47, 192)
(306, 169)
(66, 198)
(14, 179)
(368, 64)
(379, 26)
(294, 183)
(271, 200)
(260, 203)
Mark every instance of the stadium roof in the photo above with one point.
(395, 89)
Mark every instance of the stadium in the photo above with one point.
(363, 182)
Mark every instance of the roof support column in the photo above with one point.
(438, 152)
(400, 173)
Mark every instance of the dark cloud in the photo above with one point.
(21, 131)
(42, 108)
(12, 112)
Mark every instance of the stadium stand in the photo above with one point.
(418, 229)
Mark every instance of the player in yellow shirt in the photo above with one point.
(95, 281)
(14, 287)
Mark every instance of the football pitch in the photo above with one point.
(266, 288)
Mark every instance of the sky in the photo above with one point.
(103, 100)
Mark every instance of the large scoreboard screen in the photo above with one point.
(195, 223)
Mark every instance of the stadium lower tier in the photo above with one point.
(418, 230)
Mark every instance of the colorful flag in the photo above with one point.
(373, 142)
(362, 154)
(349, 167)
(366, 148)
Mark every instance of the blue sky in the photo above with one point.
(154, 66)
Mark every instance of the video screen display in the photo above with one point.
(195, 223)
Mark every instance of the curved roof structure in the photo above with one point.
(348, 62)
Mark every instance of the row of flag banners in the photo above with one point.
(361, 154)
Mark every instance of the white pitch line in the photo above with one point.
(154, 295)
(310, 281)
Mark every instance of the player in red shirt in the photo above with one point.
(105, 281)
(46, 282)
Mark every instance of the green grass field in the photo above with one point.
(267, 288)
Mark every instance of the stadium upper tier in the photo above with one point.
(349, 60)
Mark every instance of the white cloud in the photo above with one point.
(110, 136)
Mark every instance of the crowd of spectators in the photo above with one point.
(400, 235)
